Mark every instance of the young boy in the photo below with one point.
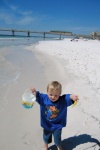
(53, 109)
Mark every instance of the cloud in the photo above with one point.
(26, 13)
(13, 7)
(6, 17)
(15, 16)
(26, 20)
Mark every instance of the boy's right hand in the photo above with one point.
(33, 90)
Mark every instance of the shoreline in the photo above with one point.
(16, 121)
(23, 126)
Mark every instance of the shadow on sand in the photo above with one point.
(72, 142)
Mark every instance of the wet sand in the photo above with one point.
(20, 127)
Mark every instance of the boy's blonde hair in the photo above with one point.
(54, 86)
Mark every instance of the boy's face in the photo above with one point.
(53, 95)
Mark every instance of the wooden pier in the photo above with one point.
(28, 32)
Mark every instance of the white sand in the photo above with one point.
(76, 66)
(81, 60)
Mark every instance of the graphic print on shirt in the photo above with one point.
(51, 112)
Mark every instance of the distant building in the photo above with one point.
(95, 35)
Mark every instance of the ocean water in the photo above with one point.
(11, 52)
(15, 41)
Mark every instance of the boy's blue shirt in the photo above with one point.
(53, 114)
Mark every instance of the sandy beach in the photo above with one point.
(75, 64)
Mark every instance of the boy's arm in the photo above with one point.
(71, 99)
(68, 99)
(39, 96)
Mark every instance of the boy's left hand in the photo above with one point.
(74, 97)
